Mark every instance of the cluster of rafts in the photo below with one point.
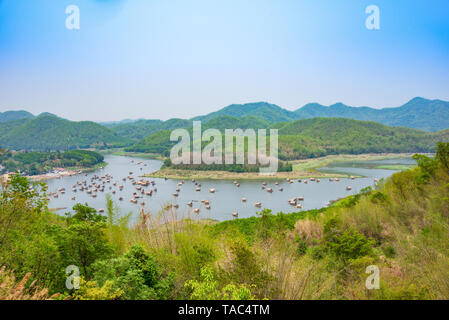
(145, 187)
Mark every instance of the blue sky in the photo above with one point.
(167, 58)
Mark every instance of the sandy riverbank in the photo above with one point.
(302, 169)
(178, 174)
(69, 172)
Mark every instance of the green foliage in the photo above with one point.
(315, 254)
(427, 166)
(348, 245)
(81, 243)
(48, 132)
(84, 213)
(135, 273)
(34, 163)
(89, 290)
(262, 110)
(140, 129)
(378, 197)
(418, 113)
(327, 136)
(251, 228)
(208, 289)
(313, 138)
(194, 252)
(246, 268)
(442, 154)
(14, 115)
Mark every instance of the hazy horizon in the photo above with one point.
(177, 59)
(143, 118)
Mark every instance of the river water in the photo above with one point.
(227, 198)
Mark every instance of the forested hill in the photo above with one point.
(159, 142)
(263, 110)
(321, 136)
(33, 163)
(140, 129)
(15, 115)
(22, 130)
(48, 132)
(418, 113)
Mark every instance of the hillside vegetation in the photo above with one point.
(159, 142)
(140, 129)
(418, 113)
(33, 163)
(48, 132)
(326, 136)
(399, 228)
(263, 110)
(317, 137)
(15, 115)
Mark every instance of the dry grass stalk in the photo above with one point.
(10, 289)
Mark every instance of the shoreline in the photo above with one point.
(315, 163)
(302, 169)
(68, 172)
(178, 174)
(122, 153)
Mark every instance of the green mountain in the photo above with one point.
(323, 136)
(229, 122)
(135, 130)
(159, 142)
(418, 113)
(318, 137)
(140, 129)
(15, 115)
(48, 132)
(263, 110)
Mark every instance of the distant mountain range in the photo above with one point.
(23, 130)
(418, 113)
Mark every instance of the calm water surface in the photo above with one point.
(226, 199)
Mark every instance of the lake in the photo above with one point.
(227, 197)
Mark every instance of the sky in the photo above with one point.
(161, 59)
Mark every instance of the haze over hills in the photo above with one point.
(22, 130)
(15, 115)
(418, 113)
(267, 111)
